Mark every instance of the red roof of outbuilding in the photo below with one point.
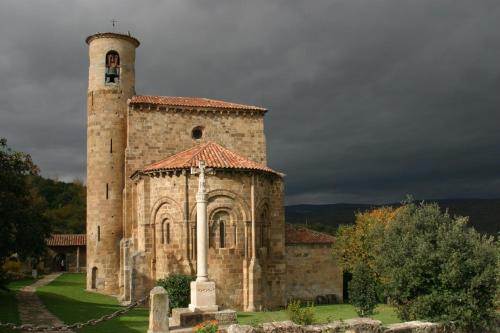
(214, 155)
(67, 240)
(195, 102)
(300, 235)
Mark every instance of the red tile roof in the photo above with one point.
(214, 155)
(195, 102)
(67, 240)
(300, 235)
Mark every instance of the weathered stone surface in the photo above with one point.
(241, 329)
(306, 268)
(364, 325)
(189, 318)
(414, 327)
(158, 312)
(281, 327)
(203, 296)
(356, 325)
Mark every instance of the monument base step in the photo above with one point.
(184, 317)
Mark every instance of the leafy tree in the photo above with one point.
(65, 204)
(363, 290)
(23, 228)
(360, 243)
(436, 268)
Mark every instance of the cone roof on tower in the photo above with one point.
(214, 155)
(191, 102)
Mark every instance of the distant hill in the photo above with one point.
(484, 214)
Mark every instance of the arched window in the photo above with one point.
(264, 229)
(218, 230)
(222, 234)
(112, 73)
(165, 232)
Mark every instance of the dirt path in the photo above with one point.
(30, 307)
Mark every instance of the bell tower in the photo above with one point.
(111, 84)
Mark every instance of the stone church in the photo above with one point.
(141, 194)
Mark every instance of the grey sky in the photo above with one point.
(369, 100)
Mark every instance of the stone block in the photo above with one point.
(158, 313)
(203, 296)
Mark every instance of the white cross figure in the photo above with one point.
(202, 170)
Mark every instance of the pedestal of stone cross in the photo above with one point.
(203, 296)
(202, 290)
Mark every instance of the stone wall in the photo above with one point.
(153, 135)
(106, 138)
(311, 271)
(164, 232)
(358, 325)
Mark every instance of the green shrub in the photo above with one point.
(178, 289)
(300, 315)
(363, 290)
(436, 268)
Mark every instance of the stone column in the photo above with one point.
(202, 290)
(254, 269)
(201, 237)
(158, 313)
(126, 272)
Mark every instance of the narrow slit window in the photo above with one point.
(222, 235)
(107, 191)
(111, 146)
(262, 241)
(163, 233)
(168, 234)
(235, 236)
(98, 233)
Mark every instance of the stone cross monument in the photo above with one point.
(202, 290)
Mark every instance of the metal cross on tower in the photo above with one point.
(114, 22)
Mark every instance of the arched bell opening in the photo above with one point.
(112, 72)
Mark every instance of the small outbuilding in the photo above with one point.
(66, 252)
(311, 271)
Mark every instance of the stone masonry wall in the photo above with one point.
(106, 136)
(155, 135)
(171, 199)
(311, 271)
(357, 325)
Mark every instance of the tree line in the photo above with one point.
(32, 207)
(427, 263)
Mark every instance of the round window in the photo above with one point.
(197, 133)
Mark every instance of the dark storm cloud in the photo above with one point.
(368, 100)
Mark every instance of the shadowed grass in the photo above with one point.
(8, 303)
(66, 298)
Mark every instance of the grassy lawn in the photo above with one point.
(66, 298)
(323, 314)
(8, 303)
